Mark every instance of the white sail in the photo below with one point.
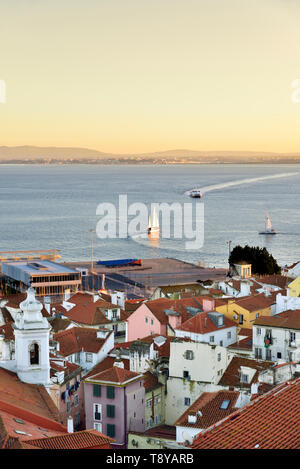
(155, 222)
(268, 223)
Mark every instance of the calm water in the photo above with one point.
(47, 207)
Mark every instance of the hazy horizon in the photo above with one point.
(148, 76)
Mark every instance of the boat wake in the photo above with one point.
(224, 185)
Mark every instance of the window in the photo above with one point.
(110, 430)
(225, 404)
(76, 400)
(258, 331)
(146, 320)
(68, 406)
(96, 390)
(149, 423)
(278, 354)
(228, 335)
(241, 319)
(212, 338)
(257, 315)
(149, 403)
(189, 355)
(221, 343)
(89, 357)
(219, 357)
(110, 392)
(268, 354)
(97, 411)
(152, 322)
(98, 427)
(110, 411)
(258, 353)
(244, 378)
(34, 354)
(187, 401)
(186, 374)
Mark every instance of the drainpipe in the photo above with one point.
(125, 418)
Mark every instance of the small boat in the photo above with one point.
(153, 224)
(269, 230)
(196, 194)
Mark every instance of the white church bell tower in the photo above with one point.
(32, 342)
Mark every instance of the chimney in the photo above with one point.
(70, 424)
(192, 418)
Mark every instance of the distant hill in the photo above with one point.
(34, 154)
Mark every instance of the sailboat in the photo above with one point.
(153, 225)
(269, 230)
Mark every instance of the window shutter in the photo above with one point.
(110, 411)
(110, 392)
(110, 430)
(96, 390)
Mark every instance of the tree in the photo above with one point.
(263, 263)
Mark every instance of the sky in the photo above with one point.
(134, 76)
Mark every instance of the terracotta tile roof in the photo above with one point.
(57, 365)
(209, 404)
(245, 341)
(17, 424)
(201, 323)
(150, 381)
(106, 364)
(278, 280)
(271, 421)
(29, 397)
(256, 302)
(14, 299)
(116, 375)
(289, 319)
(7, 331)
(232, 377)
(59, 324)
(7, 317)
(158, 307)
(85, 439)
(86, 311)
(167, 432)
(76, 339)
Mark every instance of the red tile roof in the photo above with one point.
(281, 281)
(201, 323)
(150, 381)
(107, 363)
(209, 404)
(271, 421)
(86, 439)
(256, 302)
(158, 307)
(29, 397)
(76, 339)
(7, 331)
(232, 377)
(289, 319)
(116, 375)
(90, 312)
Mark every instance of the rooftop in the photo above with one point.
(271, 421)
(209, 408)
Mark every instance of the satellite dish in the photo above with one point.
(187, 437)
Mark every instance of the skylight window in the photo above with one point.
(225, 404)
(18, 420)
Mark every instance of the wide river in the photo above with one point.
(54, 207)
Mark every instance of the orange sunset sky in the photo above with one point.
(151, 75)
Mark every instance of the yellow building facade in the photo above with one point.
(294, 287)
(243, 311)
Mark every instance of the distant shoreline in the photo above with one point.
(144, 162)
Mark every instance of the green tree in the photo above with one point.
(263, 263)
